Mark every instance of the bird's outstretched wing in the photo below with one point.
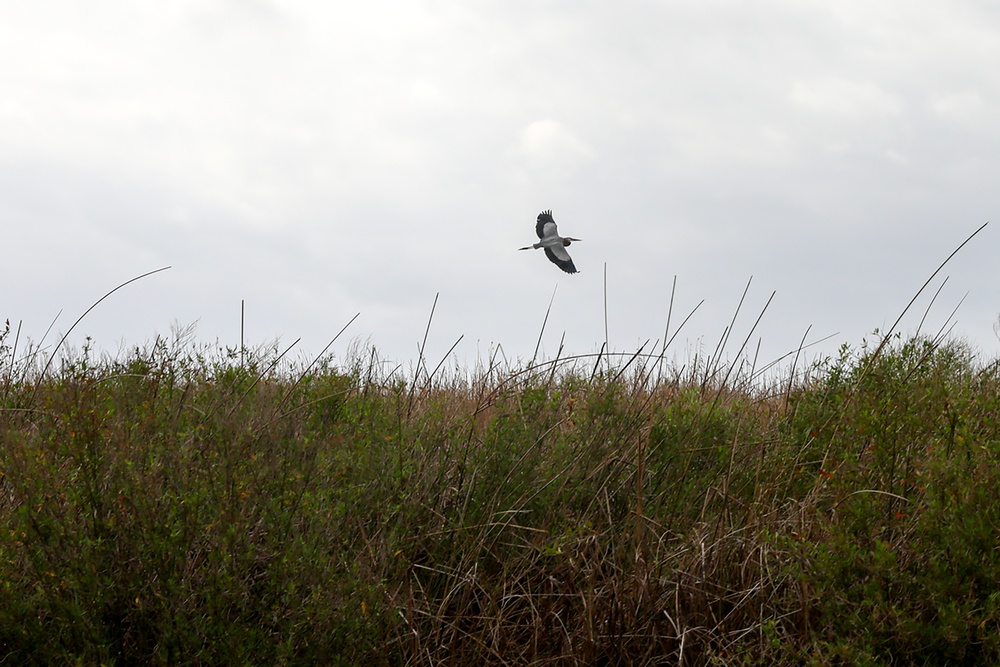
(558, 256)
(546, 225)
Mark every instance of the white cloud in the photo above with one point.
(549, 146)
(854, 100)
(365, 156)
(964, 107)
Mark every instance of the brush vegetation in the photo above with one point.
(180, 504)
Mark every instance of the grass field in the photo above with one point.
(181, 504)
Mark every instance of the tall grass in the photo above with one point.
(183, 504)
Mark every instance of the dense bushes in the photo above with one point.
(189, 505)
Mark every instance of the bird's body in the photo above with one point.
(555, 245)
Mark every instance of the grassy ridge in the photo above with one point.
(187, 505)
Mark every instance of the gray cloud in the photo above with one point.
(319, 161)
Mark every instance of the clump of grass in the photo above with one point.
(188, 504)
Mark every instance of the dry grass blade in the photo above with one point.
(86, 312)
(892, 329)
(423, 343)
(545, 320)
(607, 343)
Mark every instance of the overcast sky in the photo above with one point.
(322, 159)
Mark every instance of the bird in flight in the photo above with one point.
(555, 245)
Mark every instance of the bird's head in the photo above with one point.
(568, 239)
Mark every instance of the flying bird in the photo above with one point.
(555, 245)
